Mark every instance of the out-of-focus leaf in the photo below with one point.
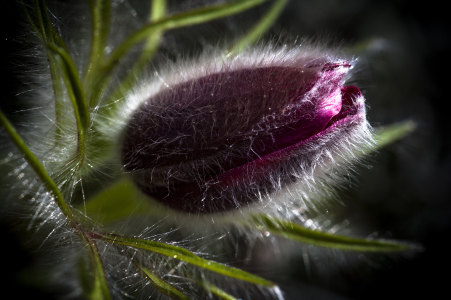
(386, 135)
(367, 45)
(116, 202)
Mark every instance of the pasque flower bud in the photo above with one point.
(231, 135)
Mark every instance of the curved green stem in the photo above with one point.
(76, 94)
(158, 11)
(73, 84)
(40, 23)
(260, 28)
(38, 168)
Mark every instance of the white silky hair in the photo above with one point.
(320, 166)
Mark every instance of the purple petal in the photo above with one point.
(199, 145)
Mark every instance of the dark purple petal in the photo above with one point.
(199, 145)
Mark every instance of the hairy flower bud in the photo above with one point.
(233, 135)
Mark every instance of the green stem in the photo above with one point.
(192, 17)
(70, 70)
(58, 92)
(100, 291)
(159, 283)
(40, 23)
(76, 94)
(216, 290)
(260, 28)
(298, 233)
(43, 20)
(59, 199)
(100, 25)
(38, 168)
(158, 11)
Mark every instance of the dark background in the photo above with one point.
(405, 194)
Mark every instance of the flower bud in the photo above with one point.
(233, 135)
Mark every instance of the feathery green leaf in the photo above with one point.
(182, 255)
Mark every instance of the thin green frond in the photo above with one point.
(39, 21)
(182, 255)
(51, 186)
(99, 287)
(216, 291)
(298, 233)
(59, 94)
(75, 92)
(158, 11)
(160, 284)
(44, 26)
(92, 273)
(100, 24)
(73, 81)
(187, 18)
(37, 167)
